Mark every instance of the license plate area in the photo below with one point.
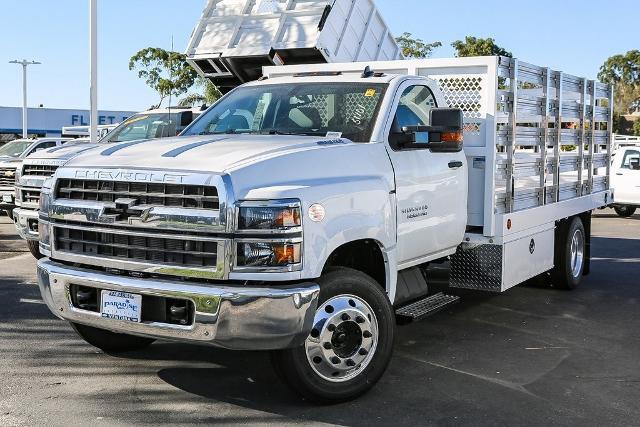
(7, 198)
(154, 309)
(121, 306)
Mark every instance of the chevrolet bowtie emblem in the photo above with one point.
(9, 174)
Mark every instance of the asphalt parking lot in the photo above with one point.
(532, 356)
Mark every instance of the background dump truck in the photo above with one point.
(234, 39)
(300, 212)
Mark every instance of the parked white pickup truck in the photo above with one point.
(298, 214)
(626, 180)
(34, 170)
(11, 156)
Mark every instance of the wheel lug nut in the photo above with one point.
(331, 328)
(363, 352)
(345, 317)
(367, 334)
(327, 346)
(359, 319)
(335, 360)
(351, 363)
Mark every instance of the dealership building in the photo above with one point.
(50, 121)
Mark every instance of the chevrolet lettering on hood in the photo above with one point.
(103, 175)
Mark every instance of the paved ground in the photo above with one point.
(529, 357)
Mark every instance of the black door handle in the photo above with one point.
(455, 165)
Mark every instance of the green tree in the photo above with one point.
(636, 127)
(168, 73)
(207, 93)
(416, 48)
(623, 71)
(472, 46)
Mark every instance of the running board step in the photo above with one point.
(426, 307)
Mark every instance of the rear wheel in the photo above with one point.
(571, 259)
(111, 342)
(350, 345)
(34, 248)
(625, 211)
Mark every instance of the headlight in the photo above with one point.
(44, 234)
(45, 197)
(268, 254)
(18, 175)
(279, 215)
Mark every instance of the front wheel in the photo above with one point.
(625, 211)
(571, 259)
(34, 248)
(350, 345)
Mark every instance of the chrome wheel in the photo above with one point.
(344, 338)
(577, 253)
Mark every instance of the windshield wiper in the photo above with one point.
(227, 132)
(280, 132)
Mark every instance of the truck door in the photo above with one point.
(627, 179)
(431, 188)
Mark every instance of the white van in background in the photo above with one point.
(625, 176)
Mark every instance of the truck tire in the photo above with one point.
(111, 342)
(625, 211)
(350, 346)
(34, 248)
(571, 257)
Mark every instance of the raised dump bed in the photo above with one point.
(234, 39)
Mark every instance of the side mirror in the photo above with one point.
(445, 135)
(634, 163)
(186, 118)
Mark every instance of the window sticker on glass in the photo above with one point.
(136, 119)
(334, 135)
(370, 93)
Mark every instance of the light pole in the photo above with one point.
(25, 64)
(93, 53)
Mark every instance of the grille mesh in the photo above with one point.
(31, 196)
(39, 170)
(156, 194)
(180, 252)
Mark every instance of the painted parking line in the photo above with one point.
(31, 301)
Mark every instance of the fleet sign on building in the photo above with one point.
(49, 121)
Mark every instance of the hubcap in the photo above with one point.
(344, 338)
(577, 253)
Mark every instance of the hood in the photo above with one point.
(59, 155)
(10, 163)
(211, 153)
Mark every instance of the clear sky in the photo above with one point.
(575, 36)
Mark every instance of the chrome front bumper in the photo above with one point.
(232, 317)
(22, 218)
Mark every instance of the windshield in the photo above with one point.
(321, 109)
(144, 126)
(15, 148)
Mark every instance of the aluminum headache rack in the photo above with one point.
(235, 38)
(538, 141)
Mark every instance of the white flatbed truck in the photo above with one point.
(298, 214)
